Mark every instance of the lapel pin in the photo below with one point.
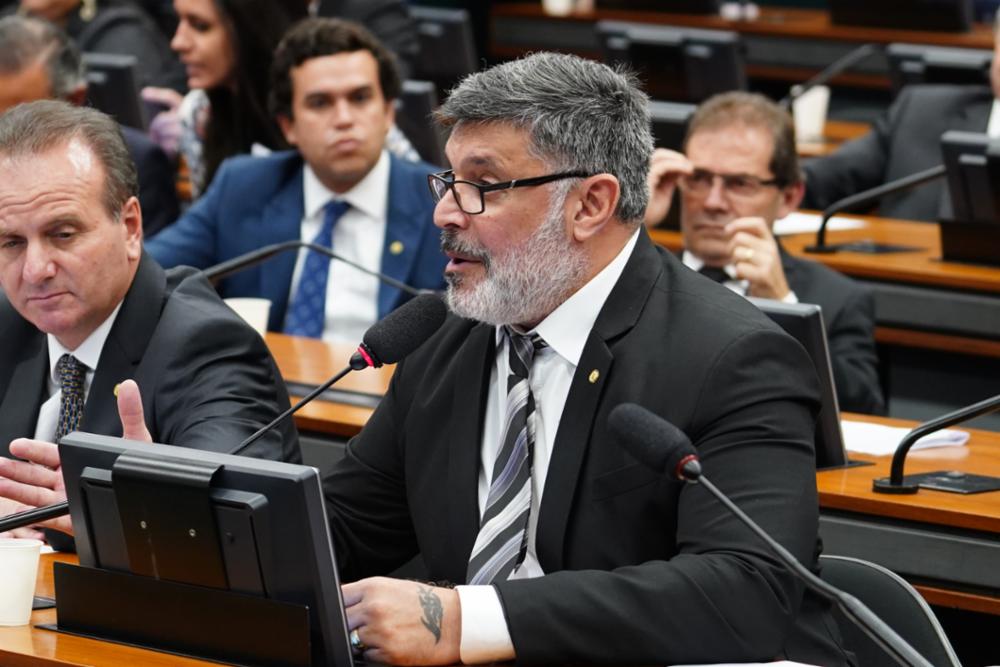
(594, 375)
(116, 390)
(396, 247)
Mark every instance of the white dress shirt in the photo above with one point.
(351, 296)
(735, 284)
(485, 637)
(993, 125)
(88, 353)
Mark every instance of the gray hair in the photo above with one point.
(36, 127)
(25, 41)
(580, 115)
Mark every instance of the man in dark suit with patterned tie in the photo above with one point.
(87, 319)
(739, 174)
(490, 454)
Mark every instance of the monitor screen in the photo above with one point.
(971, 231)
(676, 64)
(937, 15)
(670, 121)
(917, 63)
(804, 322)
(267, 533)
(112, 87)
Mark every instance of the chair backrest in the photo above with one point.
(414, 107)
(894, 601)
(447, 47)
(919, 63)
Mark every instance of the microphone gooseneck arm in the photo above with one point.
(895, 482)
(846, 61)
(870, 197)
(33, 516)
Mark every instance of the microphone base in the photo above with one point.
(949, 481)
(866, 247)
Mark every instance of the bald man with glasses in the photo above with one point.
(738, 174)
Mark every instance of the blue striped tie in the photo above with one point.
(307, 313)
(503, 531)
(71, 372)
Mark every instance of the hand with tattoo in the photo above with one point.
(404, 622)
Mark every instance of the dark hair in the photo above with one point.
(317, 37)
(24, 41)
(239, 117)
(36, 127)
(753, 110)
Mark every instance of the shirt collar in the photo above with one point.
(567, 328)
(369, 195)
(89, 351)
(696, 264)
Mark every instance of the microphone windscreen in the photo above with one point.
(406, 328)
(649, 438)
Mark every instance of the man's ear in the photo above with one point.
(78, 96)
(131, 218)
(594, 205)
(287, 126)
(791, 197)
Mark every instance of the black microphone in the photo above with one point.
(657, 443)
(824, 76)
(866, 198)
(260, 255)
(954, 480)
(387, 341)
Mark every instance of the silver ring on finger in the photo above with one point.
(356, 642)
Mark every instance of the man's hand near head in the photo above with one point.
(753, 250)
(37, 480)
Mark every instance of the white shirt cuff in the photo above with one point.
(790, 298)
(485, 637)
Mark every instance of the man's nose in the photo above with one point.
(38, 263)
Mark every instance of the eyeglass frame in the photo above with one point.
(757, 180)
(483, 188)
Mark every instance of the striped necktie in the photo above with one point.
(503, 530)
(71, 372)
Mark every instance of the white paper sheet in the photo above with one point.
(880, 440)
(806, 223)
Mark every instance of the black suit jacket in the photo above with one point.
(641, 570)
(207, 380)
(904, 141)
(849, 315)
(157, 181)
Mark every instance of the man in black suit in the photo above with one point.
(86, 317)
(490, 454)
(907, 139)
(739, 174)
(38, 61)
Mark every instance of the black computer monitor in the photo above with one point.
(201, 523)
(414, 116)
(971, 233)
(677, 64)
(804, 322)
(672, 6)
(112, 87)
(918, 63)
(447, 46)
(936, 15)
(670, 122)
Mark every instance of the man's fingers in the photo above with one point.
(22, 472)
(37, 451)
(131, 414)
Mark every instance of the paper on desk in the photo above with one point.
(879, 440)
(804, 223)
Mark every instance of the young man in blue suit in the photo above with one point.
(333, 86)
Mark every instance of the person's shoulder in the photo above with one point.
(927, 96)
(268, 172)
(409, 169)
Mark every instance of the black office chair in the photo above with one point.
(414, 107)
(895, 602)
(447, 47)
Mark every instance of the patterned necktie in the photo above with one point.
(307, 314)
(71, 380)
(503, 531)
(715, 273)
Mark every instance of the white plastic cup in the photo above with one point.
(809, 111)
(18, 571)
(253, 310)
(558, 7)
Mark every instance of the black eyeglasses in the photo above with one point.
(700, 182)
(469, 195)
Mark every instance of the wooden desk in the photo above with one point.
(774, 41)
(835, 133)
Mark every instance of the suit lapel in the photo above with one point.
(124, 348)
(24, 382)
(618, 316)
(465, 443)
(281, 220)
(403, 232)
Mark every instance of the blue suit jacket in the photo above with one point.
(256, 201)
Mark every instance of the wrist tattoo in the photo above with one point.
(433, 612)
